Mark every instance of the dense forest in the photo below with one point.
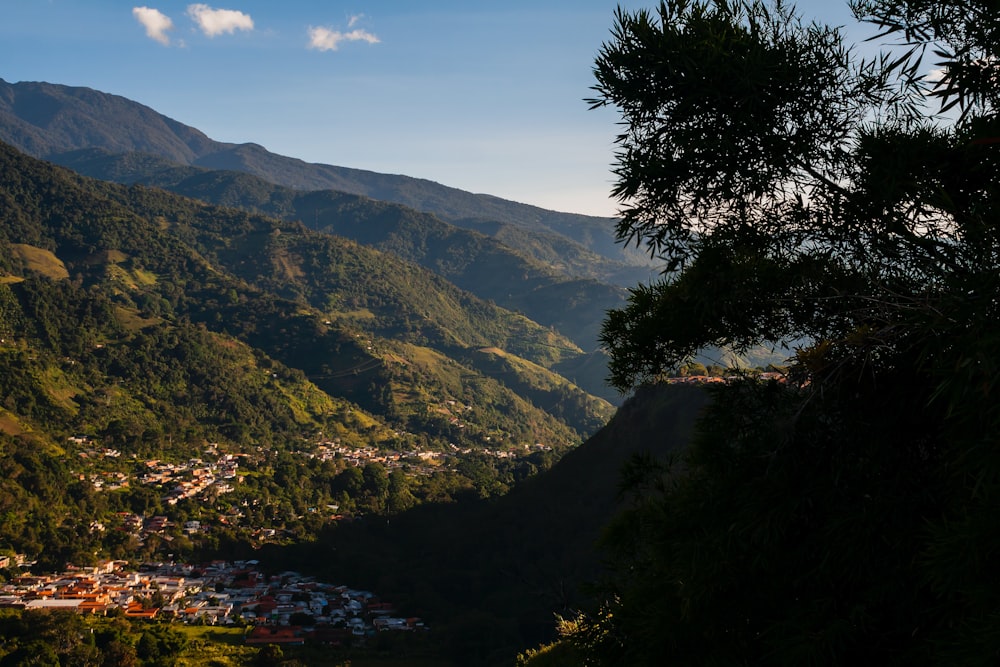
(548, 278)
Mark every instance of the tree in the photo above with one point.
(36, 653)
(794, 192)
(120, 654)
(160, 645)
(799, 194)
(269, 655)
(400, 496)
(375, 486)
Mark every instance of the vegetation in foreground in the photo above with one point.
(800, 193)
(67, 638)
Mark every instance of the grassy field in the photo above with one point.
(131, 320)
(41, 261)
(9, 424)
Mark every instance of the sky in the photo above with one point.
(487, 97)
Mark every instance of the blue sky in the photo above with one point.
(486, 97)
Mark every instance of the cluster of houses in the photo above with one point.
(715, 379)
(416, 462)
(358, 456)
(186, 480)
(141, 527)
(281, 609)
(204, 480)
(192, 478)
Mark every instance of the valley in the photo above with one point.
(206, 364)
(186, 381)
(747, 420)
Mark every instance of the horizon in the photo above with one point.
(486, 100)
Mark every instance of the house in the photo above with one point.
(50, 603)
(135, 610)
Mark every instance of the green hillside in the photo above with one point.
(143, 323)
(244, 190)
(553, 282)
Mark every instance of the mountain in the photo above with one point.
(481, 264)
(138, 323)
(46, 120)
(157, 326)
(330, 284)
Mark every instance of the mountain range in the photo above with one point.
(47, 120)
(92, 271)
(561, 270)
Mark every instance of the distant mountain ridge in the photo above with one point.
(44, 120)
(473, 261)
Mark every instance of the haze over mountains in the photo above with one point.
(47, 120)
(562, 270)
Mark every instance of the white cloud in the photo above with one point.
(936, 75)
(324, 39)
(214, 22)
(155, 22)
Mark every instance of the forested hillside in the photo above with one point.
(493, 573)
(139, 325)
(553, 282)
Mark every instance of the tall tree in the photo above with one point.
(797, 192)
(793, 190)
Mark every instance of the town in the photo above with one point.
(284, 608)
(204, 482)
